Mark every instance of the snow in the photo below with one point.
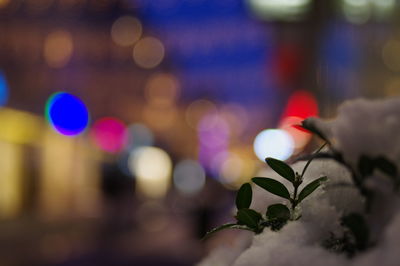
(362, 127)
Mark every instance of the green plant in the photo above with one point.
(277, 215)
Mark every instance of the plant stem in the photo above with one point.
(294, 200)
(312, 158)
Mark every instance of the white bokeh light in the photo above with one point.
(152, 168)
(275, 143)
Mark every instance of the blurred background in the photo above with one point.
(127, 125)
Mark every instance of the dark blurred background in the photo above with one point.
(126, 125)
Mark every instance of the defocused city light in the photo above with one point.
(152, 168)
(391, 55)
(279, 9)
(197, 109)
(160, 117)
(109, 134)
(162, 89)
(300, 137)
(301, 104)
(58, 48)
(11, 181)
(189, 177)
(357, 11)
(139, 135)
(148, 52)
(273, 143)
(4, 3)
(126, 31)
(67, 114)
(3, 89)
(20, 127)
(231, 169)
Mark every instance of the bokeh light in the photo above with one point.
(197, 109)
(384, 8)
(148, 52)
(58, 48)
(109, 134)
(162, 89)
(126, 31)
(139, 135)
(300, 137)
(152, 168)
(357, 11)
(391, 55)
(160, 117)
(189, 177)
(67, 114)
(301, 104)
(3, 89)
(279, 9)
(231, 169)
(275, 143)
(214, 136)
(4, 3)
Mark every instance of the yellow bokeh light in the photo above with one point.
(4, 3)
(391, 55)
(58, 48)
(19, 127)
(11, 173)
(126, 31)
(152, 168)
(148, 52)
(162, 89)
(392, 88)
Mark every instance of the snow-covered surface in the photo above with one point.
(362, 127)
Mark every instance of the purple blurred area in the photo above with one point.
(127, 125)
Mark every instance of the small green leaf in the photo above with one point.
(248, 217)
(281, 168)
(278, 211)
(243, 197)
(359, 228)
(225, 226)
(385, 166)
(273, 186)
(365, 165)
(307, 190)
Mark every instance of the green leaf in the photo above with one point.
(278, 211)
(358, 227)
(273, 186)
(226, 226)
(281, 168)
(365, 165)
(307, 190)
(248, 217)
(385, 166)
(243, 197)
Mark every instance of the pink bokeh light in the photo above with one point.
(109, 134)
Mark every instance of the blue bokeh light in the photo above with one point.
(67, 114)
(3, 89)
